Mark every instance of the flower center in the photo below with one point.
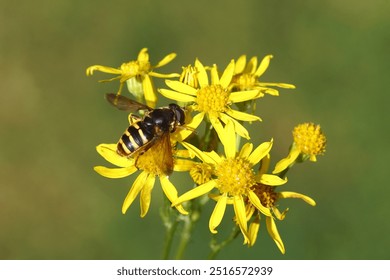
(133, 68)
(266, 194)
(235, 176)
(309, 139)
(151, 162)
(245, 81)
(212, 98)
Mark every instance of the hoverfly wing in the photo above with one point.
(165, 156)
(125, 104)
(161, 150)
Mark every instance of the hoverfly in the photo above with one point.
(153, 129)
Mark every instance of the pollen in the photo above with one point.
(309, 139)
(212, 98)
(266, 194)
(235, 176)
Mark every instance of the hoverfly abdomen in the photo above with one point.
(135, 137)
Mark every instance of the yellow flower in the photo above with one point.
(151, 167)
(138, 75)
(214, 98)
(309, 141)
(246, 76)
(233, 178)
(269, 198)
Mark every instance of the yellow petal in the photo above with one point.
(261, 151)
(240, 96)
(253, 198)
(286, 162)
(188, 129)
(195, 122)
(183, 165)
(246, 150)
(104, 69)
(214, 156)
(240, 64)
(217, 126)
(242, 116)
(278, 215)
(272, 180)
(273, 232)
(176, 95)
(228, 140)
(240, 211)
(238, 128)
(263, 65)
(113, 79)
(146, 194)
(202, 74)
(218, 212)
(181, 87)
(214, 75)
(253, 231)
(270, 91)
(108, 152)
(250, 210)
(195, 192)
(184, 154)
(215, 197)
(115, 173)
(227, 75)
(171, 193)
(203, 156)
(143, 55)
(165, 76)
(251, 66)
(135, 189)
(149, 91)
(264, 164)
(305, 198)
(281, 85)
(168, 58)
(123, 78)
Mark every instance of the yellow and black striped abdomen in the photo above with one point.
(135, 137)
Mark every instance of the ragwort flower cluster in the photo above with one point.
(236, 177)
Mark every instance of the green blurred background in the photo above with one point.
(54, 206)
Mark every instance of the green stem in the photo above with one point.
(209, 140)
(170, 232)
(185, 237)
(170, 222)
(189, 224)
(217, 247)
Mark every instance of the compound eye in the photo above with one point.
(179, 113)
